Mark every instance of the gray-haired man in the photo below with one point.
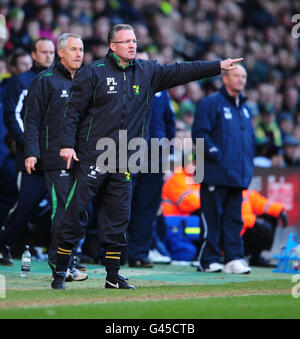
(44, 112)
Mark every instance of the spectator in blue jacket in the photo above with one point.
(224, 121)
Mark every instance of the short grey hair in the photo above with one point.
(117, 28)
(63, 39)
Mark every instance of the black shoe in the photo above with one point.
(261, 262)
(5, 256)
(120, 282)
(141, 263)
(58, 282)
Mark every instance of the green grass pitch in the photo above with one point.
(163, 292)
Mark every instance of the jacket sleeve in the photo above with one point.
(262, 205)
(172, 75)
(35, 106)
(204, 123)
(13, 105)
(248, 216)
(80, 97)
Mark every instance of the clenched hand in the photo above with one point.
(30, 164)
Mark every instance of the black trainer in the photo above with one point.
(58, 282)
(5, 256)
(120, 282)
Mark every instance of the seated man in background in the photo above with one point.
(181, 196)
(260, 217)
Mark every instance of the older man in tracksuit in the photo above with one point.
(224, 121)
(110, 95)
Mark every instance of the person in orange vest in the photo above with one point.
(181, 198)
(180, 195)
(260, 217)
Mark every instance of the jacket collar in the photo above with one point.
(242, 98)
(37, 69)
(62, 69)
(115, 59)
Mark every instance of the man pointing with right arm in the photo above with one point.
(111, 95)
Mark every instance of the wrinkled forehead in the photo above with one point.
(74, 42)
(124, 34)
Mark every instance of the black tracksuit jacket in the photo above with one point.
(14, 109)
(106, 97)
(44, 111)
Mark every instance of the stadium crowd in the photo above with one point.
(181, 30)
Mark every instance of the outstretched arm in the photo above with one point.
(171, 75)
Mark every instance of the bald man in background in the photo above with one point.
(224, 121)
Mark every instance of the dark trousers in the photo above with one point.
(8, 187)
(57, 183)
(221, 224)
(259, 238)
(33, 189)
(114, 210)
(145, 203)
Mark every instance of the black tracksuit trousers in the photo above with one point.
(57, 183)
(114, 212)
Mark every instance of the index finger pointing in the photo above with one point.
(69, 162)
(237, 60)
(28, 169)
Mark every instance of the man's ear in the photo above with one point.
(112, 46)
(60, 53)
(33, 55)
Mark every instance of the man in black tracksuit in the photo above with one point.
(43, 52)
(44, 112)
(108, 96)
